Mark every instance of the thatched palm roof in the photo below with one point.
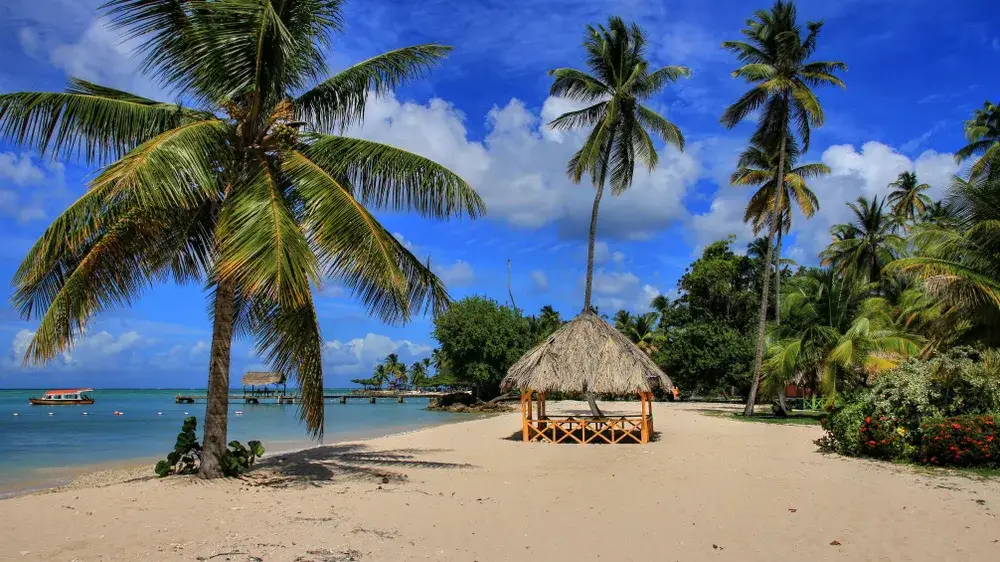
(262, 378)
(586, 353)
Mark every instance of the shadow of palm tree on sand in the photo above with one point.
(314, 467)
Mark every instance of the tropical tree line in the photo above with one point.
(395, 375)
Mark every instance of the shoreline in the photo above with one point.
(471, 490)
(59, 478)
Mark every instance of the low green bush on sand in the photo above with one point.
(186, 456)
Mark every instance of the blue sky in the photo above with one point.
(917, 70)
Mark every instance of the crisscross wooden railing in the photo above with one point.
(585, 429)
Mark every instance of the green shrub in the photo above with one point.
(186, 456)
(888, 420)
(961, 441)
(239, 459)
(843, 430)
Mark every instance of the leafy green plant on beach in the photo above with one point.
(186, 456)
(239, 458)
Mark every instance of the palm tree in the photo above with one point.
(418, 373)
(549, 316)
(380, 375)
(831, 332)
(866, 245)
(958, 262)
(620, 80)
(939, 212)
(623, 320)
(983, 134)
(758, 166)
(775, 59)
(661, 305)
(395, 368)
(907, 198)
(251, 191)
(642, 332)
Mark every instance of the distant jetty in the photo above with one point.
(371, 396)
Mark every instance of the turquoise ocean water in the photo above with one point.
(39, 450)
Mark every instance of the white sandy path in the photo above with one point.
(462, 492)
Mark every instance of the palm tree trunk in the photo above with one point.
(217, 409)
(762, 322)
(591, 400)
(777, 279)
(781, 408)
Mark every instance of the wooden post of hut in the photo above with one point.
(586, 353)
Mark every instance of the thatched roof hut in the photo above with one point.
(586, 353)
(262, 378)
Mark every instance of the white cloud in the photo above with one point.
(540, 279)
(854, 173)
(90, 351)
(457, 274)
(603, 254)
(646, 296)
(22, 183)
(406, 243)
(519, 169)
(359, 355)
(99, 55)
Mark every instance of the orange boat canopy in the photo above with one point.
(70, 391)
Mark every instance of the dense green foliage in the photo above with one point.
(707, 330)
(480, 339)
(888, 419)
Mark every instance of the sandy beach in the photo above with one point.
(707, 489)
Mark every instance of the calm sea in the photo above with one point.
(46, 445)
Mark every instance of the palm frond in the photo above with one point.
(386, 177)
(339, 102)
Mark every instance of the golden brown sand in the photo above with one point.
(708, 489)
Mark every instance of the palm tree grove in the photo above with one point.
(294, 231)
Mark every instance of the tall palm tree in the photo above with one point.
(983, 134)
(907, 197)
(418, 373)
(620, 80)
(829, 334)
(867, 244)
(250, 191)
(958, 262)
(758, 166)
(775, 59)
(395, 368)
(380, 375)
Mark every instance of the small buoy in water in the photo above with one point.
(159, 413)
(238, 412)
(16, 414)
(86, 414)
(52, 413)
(117, 413)
(185, 413)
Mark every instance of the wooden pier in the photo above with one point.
(371, 397)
